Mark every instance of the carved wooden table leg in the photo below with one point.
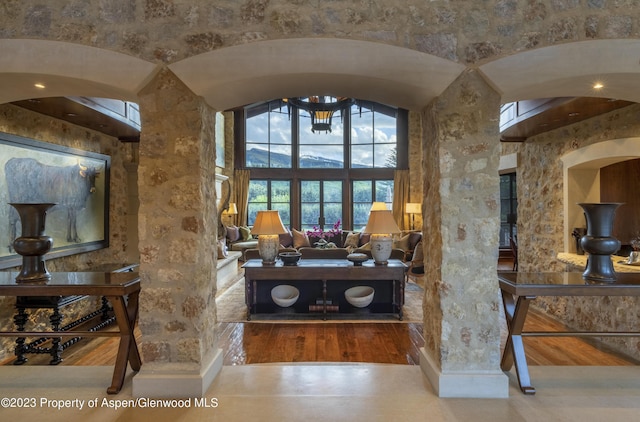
(20, 319)
(105, 309)
(56, 348)
(324, 300)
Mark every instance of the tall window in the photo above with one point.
(320, 149)
(320, 203)
(331, 176)
(365, 192)
(373, 137)
(268, 136)
(508, 208)
(270, 195)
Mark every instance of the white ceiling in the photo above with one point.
(239, 75)
(569, 70)
(303, 67)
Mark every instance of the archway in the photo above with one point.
(401, 76)
(581, 177)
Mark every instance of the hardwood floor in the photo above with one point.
(247, 343)
(389, 342)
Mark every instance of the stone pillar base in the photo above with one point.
(485, 385)
(173, 383)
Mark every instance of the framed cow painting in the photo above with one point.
(76, 181)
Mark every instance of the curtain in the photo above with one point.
(241, 184)
(400, 198)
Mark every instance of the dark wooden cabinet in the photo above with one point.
(322, 283)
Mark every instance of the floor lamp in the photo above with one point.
(413, 208)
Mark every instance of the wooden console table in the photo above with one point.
(520, 289)
(55, 303)
(322, 283)
(120, 289)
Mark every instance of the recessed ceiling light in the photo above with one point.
(598, 85)
(71, 114)
(574, 114)
(39, 85)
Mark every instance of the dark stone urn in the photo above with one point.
(599, 242)
(32, 243)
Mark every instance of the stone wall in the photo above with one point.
(177, 308)
(21, 122)
(467, 32)
(540, 219)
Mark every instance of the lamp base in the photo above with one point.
(268, 245)
(381, 245)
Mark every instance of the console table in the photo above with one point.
(519, 289)
(120, 289)
(55, 303)
(322, 283)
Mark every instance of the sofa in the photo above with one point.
(323, 253)
(240, 239)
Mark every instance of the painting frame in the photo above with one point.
(90, 228)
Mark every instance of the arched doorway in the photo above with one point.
(245, 79)
(581, 177)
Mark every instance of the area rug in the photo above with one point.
(231, 308)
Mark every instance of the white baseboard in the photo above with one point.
(171, 383)
(489, 384)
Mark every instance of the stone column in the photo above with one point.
(461, 149)
(177, 238)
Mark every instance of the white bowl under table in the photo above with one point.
(285, 295)
(359, 296)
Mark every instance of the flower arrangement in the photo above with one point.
(635, 243)
(321, 234)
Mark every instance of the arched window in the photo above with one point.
(328, 175)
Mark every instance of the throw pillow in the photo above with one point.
(365, 247)
(352, 240)
(222, 249)
(233, 234)
(300, 239)
(402, 243)
(364, 238)
(286, 239)
(245, 233)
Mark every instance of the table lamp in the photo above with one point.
(230, 212)
(378, 206)
(267, 227)
(413, 208)
(381, 226)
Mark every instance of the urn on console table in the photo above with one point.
(599, 242)
(32, 243)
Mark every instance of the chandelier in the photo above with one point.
(321, 109)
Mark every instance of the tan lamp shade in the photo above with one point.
(379, 206)
(381, 222)
(268, 222)
(413, 208)
(233, 210)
